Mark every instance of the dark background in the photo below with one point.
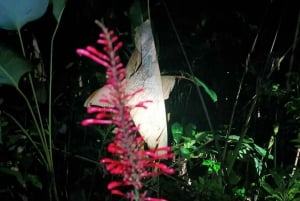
(216, 39)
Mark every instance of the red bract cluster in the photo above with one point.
(131, 160)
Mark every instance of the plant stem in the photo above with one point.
(243, 134)
(21, 42)
(27, 135)
(51, 169)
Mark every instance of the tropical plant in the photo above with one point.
(281, 186)
(12, 67)
(131, 161)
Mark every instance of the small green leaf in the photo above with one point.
(207, 162)
(275, 87)
(185, 151)
(177, 131)
(260, 151)
(258, 165)
(58, 6)
(189, 143)
(199, 83)
(216, 167)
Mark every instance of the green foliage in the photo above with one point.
(199, 83)
(240, 193)
(77, 150)
(188, 142)
(212, 165)
(12, 67)
(194, 144)
(207, 189)
(282, 186)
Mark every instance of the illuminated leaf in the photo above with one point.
(143, 72)
(185, 151)
(199, 83)
(177, 131)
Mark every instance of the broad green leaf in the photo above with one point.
(58, 6)
(16, 13)
(262, 152)
(12, 67)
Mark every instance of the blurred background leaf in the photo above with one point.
(12, 67)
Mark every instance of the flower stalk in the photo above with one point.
(131, 161)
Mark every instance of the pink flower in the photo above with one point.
(131, 160)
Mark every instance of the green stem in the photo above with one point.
(50, 107)
(24, 97)
(21, 42)
(243, 134)
(42, 133)
(27, 135)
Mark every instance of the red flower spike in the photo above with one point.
(87, 122)
(102, 41)
(97, 53)
(131, 161)
(86, 53)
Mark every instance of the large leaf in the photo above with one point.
(143, 72)
(14, 14)
(12, 67)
